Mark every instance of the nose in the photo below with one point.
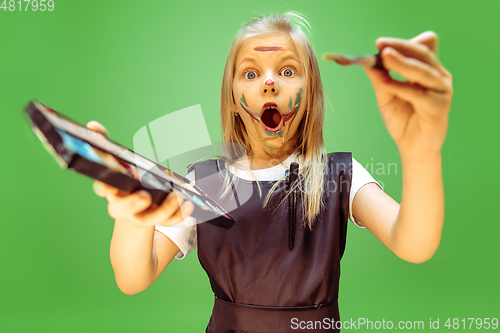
(270, 86)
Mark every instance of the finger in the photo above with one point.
(164, 211)
(415, 71)
(103, 189)
(184, 212)
(414, 50)
(109, 192)
(378, 78)
(429, 39)
(129, 205)
(95, 126)
(426, 98)
(409, 49)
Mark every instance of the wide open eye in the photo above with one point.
(250, 75)
(287, 72)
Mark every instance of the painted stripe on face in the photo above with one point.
(268, 48)
(245, 107)
(290, 114)
(269, 82)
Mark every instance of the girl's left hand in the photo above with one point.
(415, 112)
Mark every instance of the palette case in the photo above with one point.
(92, 154)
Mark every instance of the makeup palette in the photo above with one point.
(90, 153)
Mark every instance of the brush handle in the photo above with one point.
(378, 62)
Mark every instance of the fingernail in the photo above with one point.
(144, 194)
(186, 208)
(97, 187)
(383, 40)
(389, 50)
(392, 53)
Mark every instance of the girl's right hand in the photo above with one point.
(137, 207)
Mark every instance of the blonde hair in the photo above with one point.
(309, 135)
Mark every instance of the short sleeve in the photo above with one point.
(360, 177)
(182, 234)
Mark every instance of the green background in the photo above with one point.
(126, 63)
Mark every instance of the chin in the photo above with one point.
(273, 141)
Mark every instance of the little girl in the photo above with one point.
(277, 268)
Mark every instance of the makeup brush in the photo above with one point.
(373, 61)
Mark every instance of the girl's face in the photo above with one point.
(269, 89)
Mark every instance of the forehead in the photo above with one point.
(279, 44)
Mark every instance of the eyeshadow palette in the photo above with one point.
(92, 154)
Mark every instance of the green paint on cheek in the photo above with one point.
(243, 99)
(298, 98)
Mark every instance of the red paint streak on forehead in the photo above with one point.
(268, 48)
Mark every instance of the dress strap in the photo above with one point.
(340, 179)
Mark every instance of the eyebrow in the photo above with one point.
(246, 59)
(290, 57)
(268, 48)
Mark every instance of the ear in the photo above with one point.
(235, 108)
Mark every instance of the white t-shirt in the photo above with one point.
(184, 233)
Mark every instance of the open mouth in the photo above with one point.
(271, 118)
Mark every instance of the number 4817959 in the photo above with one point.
(41, 5)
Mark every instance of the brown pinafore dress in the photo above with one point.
(260, 284)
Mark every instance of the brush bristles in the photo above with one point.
(339, 59)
